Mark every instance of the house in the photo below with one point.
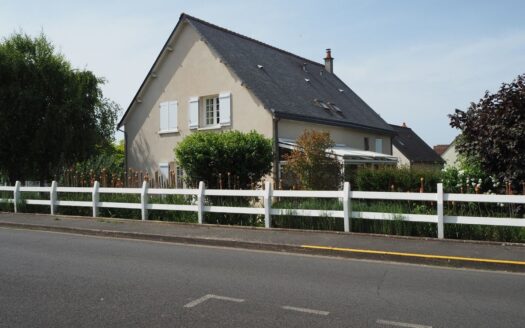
(450, 155)
(440, 149)
(207, 78)
(411, 150)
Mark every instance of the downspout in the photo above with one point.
(276, 156)
(125, 156)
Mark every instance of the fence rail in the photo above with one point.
(345, 196)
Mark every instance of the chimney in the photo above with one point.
(329, 61)
(404, 125)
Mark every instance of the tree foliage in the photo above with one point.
(228, 159)
(310, 163)
(493, 131)
(51, 115)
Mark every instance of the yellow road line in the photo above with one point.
(426, 256)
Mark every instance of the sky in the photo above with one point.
(411, 61)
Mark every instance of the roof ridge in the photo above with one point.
(184, 15)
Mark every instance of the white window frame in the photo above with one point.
(211, 111)
(179, 177)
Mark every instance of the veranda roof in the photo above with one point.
(348, 155)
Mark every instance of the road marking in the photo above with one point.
(210, 296)
(400, 324)
(427, 256)
(304, 310)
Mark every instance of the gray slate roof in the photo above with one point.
(280, 84)
(413, 147)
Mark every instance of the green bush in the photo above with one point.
(391, 178)
(310, 165)
(230, 159)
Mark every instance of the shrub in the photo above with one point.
(310, 163)
(392, 178)
(228, 159)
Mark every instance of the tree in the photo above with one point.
(493, 132)
(229, 159)
(311, 164)
(51, 115)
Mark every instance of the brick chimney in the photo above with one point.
(329, 61)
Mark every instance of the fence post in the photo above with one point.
(200, 202)
(267, 204)
(16, 196)
(347, 206)
(440, 225)
(144, 201)
(95, 198)
(53, 197)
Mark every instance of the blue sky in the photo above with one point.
(411, 61)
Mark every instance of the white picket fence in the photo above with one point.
(345, 196)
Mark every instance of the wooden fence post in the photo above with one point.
(95, 198)
(53, 197)
(144, 201)
(267, 204)
(16, 196)
(440, 225)
(347, 206)
(200, 202)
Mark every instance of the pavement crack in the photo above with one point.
(380, 283)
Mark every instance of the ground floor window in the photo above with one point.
(179, 177)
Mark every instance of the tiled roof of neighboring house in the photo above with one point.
(413, 147)
(290, 86)
(440, 149)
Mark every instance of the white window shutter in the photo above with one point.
(193, 107)
(172, 116)
(225, 108)
(164, 169)
(163, 116)
(379, 145)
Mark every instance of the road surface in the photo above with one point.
(62, 280)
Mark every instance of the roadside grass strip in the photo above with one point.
(415, 255)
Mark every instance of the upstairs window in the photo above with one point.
(212, 111)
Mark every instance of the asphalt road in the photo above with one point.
(60, 280)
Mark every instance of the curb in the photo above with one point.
(298, 249)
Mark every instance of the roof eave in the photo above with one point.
(301, 118)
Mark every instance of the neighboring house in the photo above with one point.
(450, 155)
(411, 150)
(207, 78)
(440, 149)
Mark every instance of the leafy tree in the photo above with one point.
(310, 163)
(493, 131)
(51, 115)
(229, 159)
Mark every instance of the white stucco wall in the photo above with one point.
(190, 70)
